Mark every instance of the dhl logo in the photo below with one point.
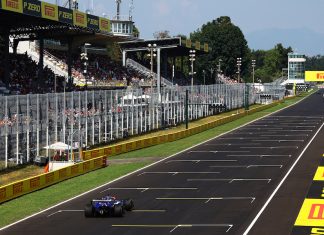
(320, 76)
(12, 4)
(79, 18)
(50, 11)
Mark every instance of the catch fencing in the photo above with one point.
(28, 123)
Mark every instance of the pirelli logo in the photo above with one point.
(14, 4)
(79, 18)
(320, 76)
(74, 170)
(108, 151)
(17, 188)
(104, 24)
(3, 194)
(49, 178)
(50, 11)
(86, 166)
(34, 183)
(316, 211)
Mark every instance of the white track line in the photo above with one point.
(198, 161)
(173, 226)
(233, 144)
(60, 211)
(148, 188)
(177, 173)
(278, 141)
(248, 166)
(260, 155)
(153, 164)
(284, 135)
(229, 180)
(279, 185)
(271, 147)
(219, 151)
(206, 199)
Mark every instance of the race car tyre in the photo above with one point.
(118, 211)
(129, 204)
(88, 211)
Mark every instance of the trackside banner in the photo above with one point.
(32, 7)
(12, 5)
(93, 22)
(65, 15)
(49, 11)
(56, 13)
(314, 76)
(104, 24)
(79, 18)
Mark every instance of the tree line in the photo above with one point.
(227, 43)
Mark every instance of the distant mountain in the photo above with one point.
(302, 40)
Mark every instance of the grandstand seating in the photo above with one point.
(101, 70)
(24, 79)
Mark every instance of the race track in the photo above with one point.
(215, 188)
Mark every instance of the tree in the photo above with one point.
(136, 32)
(269, 64)
(227, 43)
(162, 34)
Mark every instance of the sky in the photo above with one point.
(252, 16)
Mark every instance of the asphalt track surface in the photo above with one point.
(215, 188)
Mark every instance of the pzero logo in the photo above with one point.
(50, 11)
(12, 4)
(316, 212)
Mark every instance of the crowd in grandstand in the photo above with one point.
(24, 77)
(100, 70)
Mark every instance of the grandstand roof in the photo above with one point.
(175, 46)
(28, 19)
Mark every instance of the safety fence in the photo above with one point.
(151, 141)
(82, 119)
(97, 158)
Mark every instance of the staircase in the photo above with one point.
(145, 71)
(57, 65)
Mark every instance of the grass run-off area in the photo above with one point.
(34, 202)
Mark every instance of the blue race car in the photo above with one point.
(108, 206)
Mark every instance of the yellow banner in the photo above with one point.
(49, 11)
(188, 43)
(104, 24)
(79, 18)
(206, 48)
(12, 5)
(197, 45)
(314, 76)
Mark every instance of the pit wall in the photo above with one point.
(97, 158)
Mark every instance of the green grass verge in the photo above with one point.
(34, 202)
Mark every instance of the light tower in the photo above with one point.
(118, 2)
